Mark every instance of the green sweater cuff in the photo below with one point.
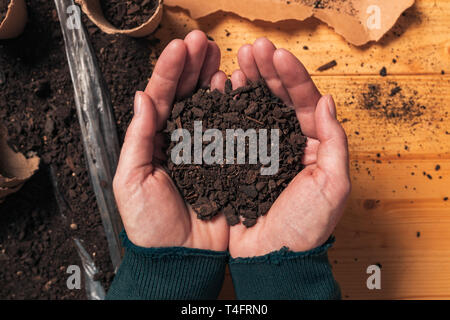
(172, 273)
(286, 275)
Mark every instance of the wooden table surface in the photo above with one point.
(396, 215)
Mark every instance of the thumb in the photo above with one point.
(332, 154)
(138, 147)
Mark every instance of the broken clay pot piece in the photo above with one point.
(15, 169)
(93, 9)
(15, 20)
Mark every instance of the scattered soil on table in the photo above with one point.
(390, 102)
(3, 9)
(37, 107)
(128, 14)
(236, 189)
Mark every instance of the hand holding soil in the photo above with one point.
(302, 217)
(307, 211)
(153, 212)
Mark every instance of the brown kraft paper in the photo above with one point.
(357, 21)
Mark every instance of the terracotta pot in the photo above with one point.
(15, 20)
(93, 10)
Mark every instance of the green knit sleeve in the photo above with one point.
(286, 275)
(172, 273)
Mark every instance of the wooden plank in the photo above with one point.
(403, 228)
(396, 215)
(388, 205)
(420, 41)
(370, 131)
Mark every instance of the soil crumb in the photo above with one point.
(327, 66)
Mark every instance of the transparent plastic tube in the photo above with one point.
(95, 114)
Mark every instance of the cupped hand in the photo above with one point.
(153, 211)
(307, 211)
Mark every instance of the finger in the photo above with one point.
(310, 156)
(163, 84)
(302, 90)
(218, 81)
(263, 51)
(138, 147)
(332, 154)
(196, 45)
(238, 79)
(247, 63)
(211, 64)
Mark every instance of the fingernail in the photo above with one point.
(331, 106)
(137, 103)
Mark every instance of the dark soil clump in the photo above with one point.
(3, 9)
(128, 14)
(236, 189)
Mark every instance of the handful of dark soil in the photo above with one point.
(128, 14)
(236, 189)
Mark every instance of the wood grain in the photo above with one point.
(396, 215)
(419, 41)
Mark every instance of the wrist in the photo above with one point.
(285, 274)
(138, 238)
(168, 273)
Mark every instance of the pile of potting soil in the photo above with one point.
(128, 14)
(38, 108)
(236, 190)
